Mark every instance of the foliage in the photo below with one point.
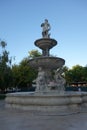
(34, 53)
(15, 73)
(5, 70)
(76, 74)
(85, 73)
(23, 74)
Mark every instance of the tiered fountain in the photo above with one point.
(47, 65)
(49, 94)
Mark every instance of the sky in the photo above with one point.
(20, 26)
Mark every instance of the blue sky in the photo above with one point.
(20, 22)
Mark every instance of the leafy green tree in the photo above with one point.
(76, 74)
(5, 70)
(84, 74)
(3, 44)
(34, 54)
(15, 74)
(23, 75)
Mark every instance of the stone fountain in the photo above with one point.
(50, 95)
(47, 65)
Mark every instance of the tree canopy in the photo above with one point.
(5, 69)
(76, 74)
(34, 53)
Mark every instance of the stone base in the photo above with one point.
(47, 101)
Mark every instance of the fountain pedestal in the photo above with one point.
(45, 44)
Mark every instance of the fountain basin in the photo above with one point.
(44, 43)
(47, 62)
(47, 101)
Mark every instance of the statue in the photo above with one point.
(40, 80)
(60, 81)
(46, 27)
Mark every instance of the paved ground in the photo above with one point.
(21, 120)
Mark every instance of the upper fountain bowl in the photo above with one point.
(44, 43)
(47, 62)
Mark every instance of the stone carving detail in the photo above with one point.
(45, 82)
(46, 27)
(40, 80)
(59, 80)
(58, 83)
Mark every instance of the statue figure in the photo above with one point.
(60, 81)
(46, 27)
(40, 80)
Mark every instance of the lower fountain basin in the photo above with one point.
(47, 62)
(46, 101)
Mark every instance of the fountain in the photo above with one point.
(47, 64)
(50, 92)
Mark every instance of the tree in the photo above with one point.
(5, 70)
(23, 75)
(3, 44)
(84, 74)
(34, 54)
(76, 74)
(15, 74)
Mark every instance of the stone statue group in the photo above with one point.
(43, 83)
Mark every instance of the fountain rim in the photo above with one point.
(52, 42)
(37, 59)
(45, 57)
